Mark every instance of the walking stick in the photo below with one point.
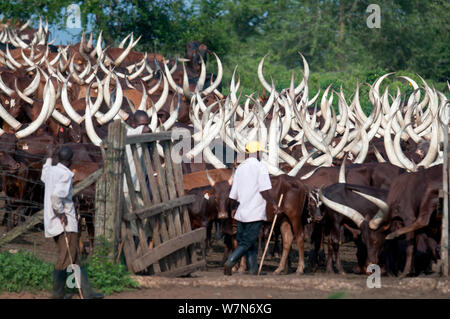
(270, 235)
(71, 261)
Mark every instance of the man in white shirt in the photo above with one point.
(61, 221)
(251, 185)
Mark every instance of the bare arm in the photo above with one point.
(266, 195)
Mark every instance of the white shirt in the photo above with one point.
(250, 178)
(134, 177)
(58, 181)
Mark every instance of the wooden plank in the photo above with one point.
(183, 260)
(114, 181)
(186, 225)
(162, 184)
(151, 174)
(184, 270)
(162, 188)
(151, 137)
(171, 186)
(100, 210)
(128, 248)
(445, 185)
(134, 206)
(38, 217)
(185, 219)
(159, 208)
(168, 247)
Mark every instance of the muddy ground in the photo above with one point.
(211, 283)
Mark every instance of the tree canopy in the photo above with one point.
(332, 34)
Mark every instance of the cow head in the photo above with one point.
(314, 206)
(221, 192)
(195, 51)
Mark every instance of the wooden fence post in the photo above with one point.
(445, 186)
(100, 211)
(114, 183)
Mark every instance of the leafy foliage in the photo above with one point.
(332, 35)
(106, 275)
(23, 271)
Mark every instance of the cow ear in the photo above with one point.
(207, 194)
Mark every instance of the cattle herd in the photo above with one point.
(375, 177)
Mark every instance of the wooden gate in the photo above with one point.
(151, 223)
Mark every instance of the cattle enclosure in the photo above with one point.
(157, 212)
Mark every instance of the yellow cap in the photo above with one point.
(253, 147)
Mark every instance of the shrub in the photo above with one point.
(104, 274)
(24, 271)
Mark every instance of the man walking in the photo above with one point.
(251, 185)
(60, 222)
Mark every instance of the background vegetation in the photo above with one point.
(23, 271)
(331, 34)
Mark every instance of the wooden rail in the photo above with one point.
(39, 216)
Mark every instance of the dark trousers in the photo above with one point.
(247, 236)
(63, 254)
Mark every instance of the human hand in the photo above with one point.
(277, 210)
(50, 151)
(63, 219)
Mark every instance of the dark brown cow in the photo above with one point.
(413, 200)
(367, 240)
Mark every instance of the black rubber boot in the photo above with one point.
(234, 258)
(86, 289)
(59, 282)
(218, 230)
(252, 263)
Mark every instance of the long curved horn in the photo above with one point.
(98, 47)
(376, 221)
(165, 93)
(143, 104)
(299, 88)
(388, 145)
(8, 118)
(230, 180)
(216, 83)
(408, 164)
(98, 100)
(342, 171)
(186, 90)
(25, 25)
(210, 179)
(172, 83)
(48, 104)
(21, 95)
(379, 157)
(115, 107)
(139, 71)
(349, 212)
(68, 107)
(125, 53)
(30, 89)
(364, 149)
(261, 76)
(11, 59)
(4, 88)
(74, 73)
(95, 139)
(294, 171)
(201, 79)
